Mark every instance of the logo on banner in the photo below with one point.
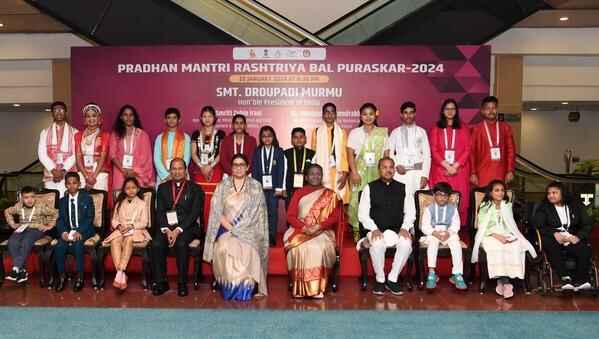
(280, 53)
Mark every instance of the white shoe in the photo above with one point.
(585, 286)
(568, 287)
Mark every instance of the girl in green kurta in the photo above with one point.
(365, 147)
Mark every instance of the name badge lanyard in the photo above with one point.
(89, 158)
(235, 145)
(30, 216)
(131, 144)
(295, 161)
(267, 156)
(177, 197)
(452, 139)
(489, 134)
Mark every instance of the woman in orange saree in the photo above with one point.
(310, 242)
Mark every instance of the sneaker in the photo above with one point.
(431, 281)
(13, 275)
(583, 286)
(394, 287)
(22, 277)
(379, 288)
(458, 281)
(567, 283)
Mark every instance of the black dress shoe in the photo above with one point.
(182, 290)
(160, 288)
(78, 286)
(60, 283)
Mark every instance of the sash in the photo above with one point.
(178, 146)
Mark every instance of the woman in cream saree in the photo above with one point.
(237, 236)
(310, 242)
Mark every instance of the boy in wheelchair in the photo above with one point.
(565, 226)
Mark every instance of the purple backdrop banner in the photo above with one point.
(281, 86)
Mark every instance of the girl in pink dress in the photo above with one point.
(130, 150)
(450, 152)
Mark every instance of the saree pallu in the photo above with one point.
(310, 264)
(236, 267)
(207, 185)
(311, 257)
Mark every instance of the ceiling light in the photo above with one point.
(47, 110)
(533, 109)
(16, 105)
(564, 103)
(564, 18)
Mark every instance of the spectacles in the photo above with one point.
(239, 165)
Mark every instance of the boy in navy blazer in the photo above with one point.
(74, 227)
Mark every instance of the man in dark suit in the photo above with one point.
(298, 159)
(74, 227)
(565, 227)
(180, 205)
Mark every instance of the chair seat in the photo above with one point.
(39, 243)
(93, 241)
(195, 243)
(422, 243)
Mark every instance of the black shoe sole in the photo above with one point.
(394, 292)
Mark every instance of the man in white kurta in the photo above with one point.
(408, 146)
(56, 149)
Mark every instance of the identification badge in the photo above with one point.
(298, 180)
(495, 153)
(171, 218)
(267, 182)
(128, 161)
(204, 160)
(88, 160)
(450, 156)
(369, 159)
(59, 158)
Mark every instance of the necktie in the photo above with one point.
(72, 214)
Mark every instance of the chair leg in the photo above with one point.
(197, 270)
(420, 269)
(147, 268)
(94, 252)
(468, 272)
(2, 273)
(364, 269)
(42, 268)
(410, 277)
(482, 267)
(335, 275)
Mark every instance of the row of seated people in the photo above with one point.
(236, 241)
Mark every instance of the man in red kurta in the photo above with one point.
(493, 152)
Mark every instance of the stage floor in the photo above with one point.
(349, 297)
